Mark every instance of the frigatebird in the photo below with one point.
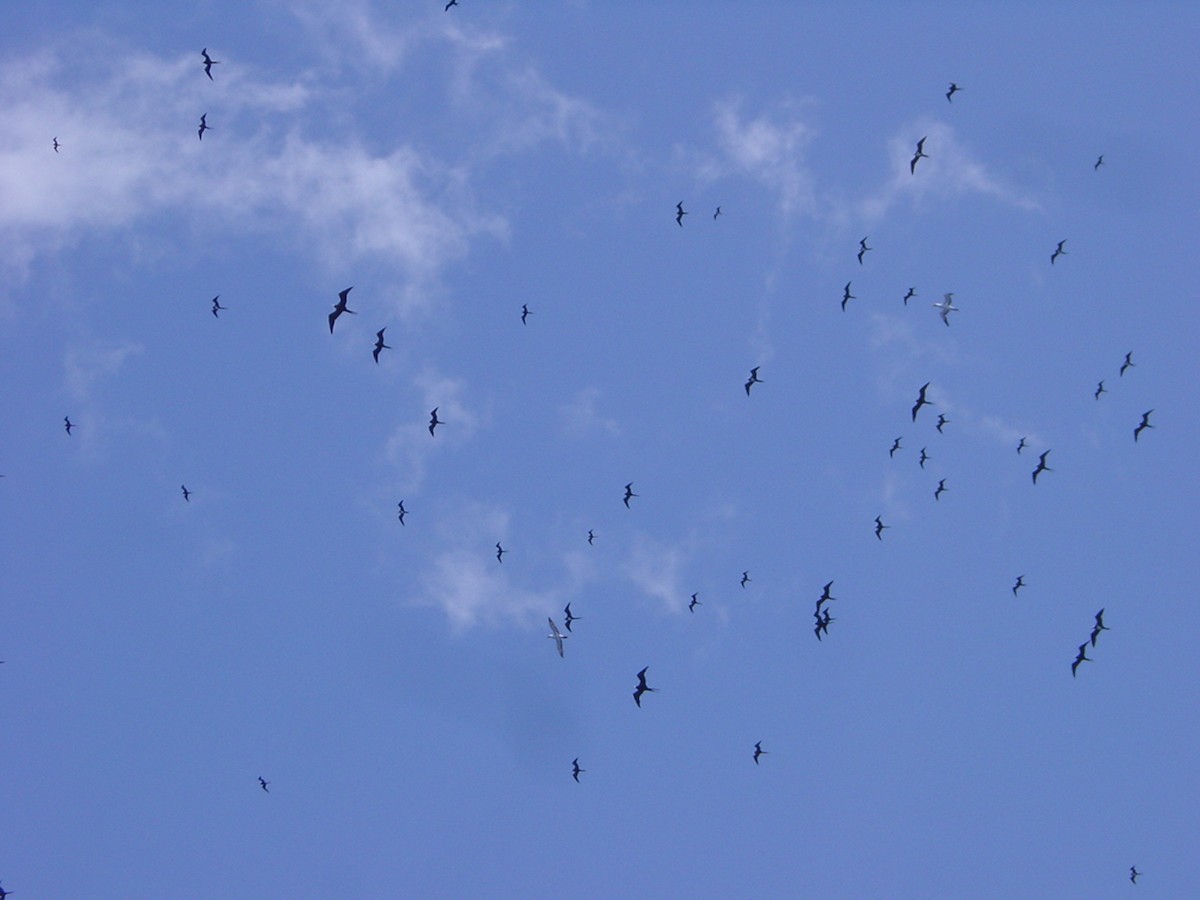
(823, 621)
(847, 296)
(556, 635)
(204, 126)
(525, 313)
(942, 420)
(895, 447)
(56, 145)
(921, 401)
(1098, 627)
(912, 292)
(1018, 584)
(1041, 466)
(1100, 389)
(1145, 423)
(954, 89)
(591, 537)
(1058, 251)
(745, 578)
(340, 307)
(1020, 445)
(629, 494)
(1081, 658)
(575, 770)
(1099, 162)
(642, 687)
(920, 154)
(1128, 364)
(946, 307)
(434, 421)
(209, 62)
(879, 526)
(754, 379)
(692, 606)
(679, 213)
(450, 4)
(717, 213)
(825, 596)
(924, 456)
(187, 495)
(500, 551)
(863, 248)
(401, 512)
(262, 783)
(1133, 872)
(758, 751)
(379, 344)
(941, 489)
(569, 618)
(217, 307)
(68, 424)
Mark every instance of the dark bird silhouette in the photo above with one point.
(379, 344)
(941, 489)
(340, 307)
(1018, 584)
(920, 154)
(847, 296)
(68, 424)
(1058, 251)
(693, 604)
(187, 495)
(629, 494)
(1099, 161)
(401, 512)
(1133, 872)
(823, 621)
(924, 456)
(1144, 424)
(921, 401)
(895, 447)
(525, 313)
(954, 89)
(575, 770)
(450, 4)
(642, 687)
(4, 893)
(1020, 445)
(209, 62)
(1041, 466)
(591, 537)
(434, 421)
(56, 145)
(1081, 658)
(754, 379)
(1128, 364)
(862, 249)
(217, 307)
(717, 213)
(679, 213)
(825, 596)
(879, 526)
(912, 292)
(942, 420)
(758, 751)
(569, 618)
(1100, 389)
(262, 783)
(204, 126)
(500, 551)
(1098, 627)
(745, 578)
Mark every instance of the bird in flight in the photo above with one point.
(1128, 364)
(204, 126)
(401, 512)
(921, 401)
(912, 292)
(954, 89)
(525, 313)
(217, 307)
(920, 154)
(340, 307)
(1100, 389)
(379, 344)
(591, 537)
(500, 551)
(923, 457)
(569, 618)
(629, 494)
(1144, 424)
(575, 770)
(758, 751)
(745, 578)
(946, 307)
(754, 379)
(825, 596)
(1041, 466)
(717, 213)
(862, 249)
(847, 296)
(1099, 161)
(434, 421)
(56, 145)
(642, 687)
(942, 420)
(823, 620)
(262, 783)
(1058, 251)
(1018, 584)
(894, 448)
(557, 635)
(1020, 445)
(1133, 872)
(1081, 658)
(941, 489)
(679, 213)
(694, 603)
(1098, 627)
(187, 495)
(450, 4)
(209, 62)
(879, 526)
(68, 424)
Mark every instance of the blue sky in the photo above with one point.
(393, 682)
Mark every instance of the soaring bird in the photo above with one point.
(1128, 364)
(209, 62)
(1041, 466)
(434, 421)
(1058, 251)
(694, 603)
(401, 512)
(1099, 161)
(68, 424)
(217, 307)
(575, 770)
(262, 783)
(1145, 423)
(923, 457)
(379, 344)
(920, 154)
(56, 145)
(569, 618)
(823, 620)
(1020, 445)
(525, 313)
(946, 307)
(745, 578)
(862, 249)
(912, 292)
(1018, 584)
(591, 537)
(1100, 389)
(642, 687)
(847, 296)
(187, 495)
(717, 213)
(954, 89)
(1098, 627)
(825, 596)
(921, 401)
(679, 213)
(450, 4)
(879, 526)
(629, 494)
(500, 551)
(754, 379)
(895, 447)
(942, 420)
(941, 489)
(758, 751)
(340, 307)
(556, 635)
(204, 126)
(1081, 658)
(1133, 872)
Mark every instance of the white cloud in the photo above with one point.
(87, 365)
(581, 415)
(410, 444)
(655, 569)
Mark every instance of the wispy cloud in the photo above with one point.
(410, 444)
(655, 569)
(581, 415)
(86, 365)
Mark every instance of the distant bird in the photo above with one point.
(340, 307)
(1098, 627)
(379, 344)
(525, 313)
(450, 4)
(204, 126)
(642, 687)
(920, 154)
(575, 770)
(591, 537)
(879, 526)
(401, 512)
(56, 145)
(434, 421)
(895, 447)
(217, 307)
(942, 420)
(758, 751)
(4, 893)
(209, 62)
(629, 494)
(1100, 389)
(946, 307)
(679, 213)
(262, 783)
(556, 635)
(754, 379)
(862, 249)
(1133, 872)
(692, 606)
(1081, 658)
(825, 596)
(68, 424)
(1128, 364)
(500, 551)
(1099, 161)
(847, 296)
(569, 618)
(187, 495)
(924, 456)
(1058, 251)
(912, 292)
(1144, 424)
(745, 578)
(823, 621)
(941, 489)
(1018, 584)
(921, 401)
(954, 89)
(1020, 445)
(717, 213)
(1041, 466)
